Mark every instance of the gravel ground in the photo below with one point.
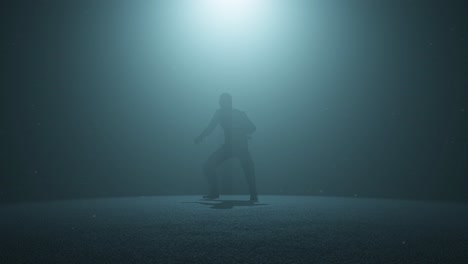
(278, 229)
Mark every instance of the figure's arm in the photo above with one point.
(209, 129)
(250, 127)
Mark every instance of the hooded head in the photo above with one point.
(225, 101)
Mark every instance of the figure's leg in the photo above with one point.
(209, 169)
(249, 170)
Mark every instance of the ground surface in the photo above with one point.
(278, 229)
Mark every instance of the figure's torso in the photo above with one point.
(233, 123)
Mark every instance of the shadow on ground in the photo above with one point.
(226, 204)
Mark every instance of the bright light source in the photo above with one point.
(230, 15)
(230, 10)
(230, 37)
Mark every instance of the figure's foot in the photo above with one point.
(210, 197)
(254, 198)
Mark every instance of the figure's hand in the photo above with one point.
(198, 139)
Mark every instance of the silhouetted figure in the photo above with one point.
(237, 130)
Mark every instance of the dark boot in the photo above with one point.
(210, 197)
(254, 198)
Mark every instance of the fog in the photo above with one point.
(350, 98)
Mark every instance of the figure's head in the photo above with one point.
(225, 101)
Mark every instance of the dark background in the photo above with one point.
(383, 113)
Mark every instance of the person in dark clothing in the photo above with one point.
(237, 131)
